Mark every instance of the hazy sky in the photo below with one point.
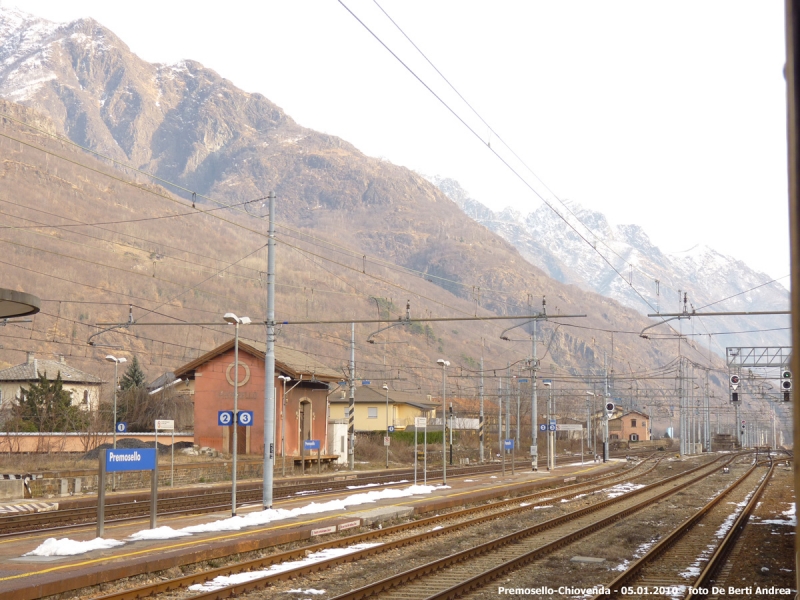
(670, 115)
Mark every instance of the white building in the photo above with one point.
(84, 387)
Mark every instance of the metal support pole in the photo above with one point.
(235, 417)
(114, 443)
(269, 364)
(481, 421)
(451, 434)
(444, 422)
(534, 404)
(351, 424)
(154, 494)
(101, 495)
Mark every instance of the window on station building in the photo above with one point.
(633, 422)
(372, 412)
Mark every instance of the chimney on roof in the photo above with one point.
(30, 358)
(62, 360)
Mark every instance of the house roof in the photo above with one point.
(631, 412)
(371, 395)
(29, 371)
(287, 360)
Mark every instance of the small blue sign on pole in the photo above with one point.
(366, 382)
(508, 444)
(311, 444)
(122, 427)
(547, 381)
(138, 459)
(523, 380)
(542, 427)
(391, 428)
(552, 427)
(245, 418)
(225, 418)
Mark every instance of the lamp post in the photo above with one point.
(444, 363)
(386, 387)
(284, 379)
(116, 362)
(236, 321)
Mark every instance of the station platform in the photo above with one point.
(28, 577)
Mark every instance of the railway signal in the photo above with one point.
(734, 383)
(609, 409)
(786, 384)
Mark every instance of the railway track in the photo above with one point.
(206, 502)
(460, 519)
(673, 565)
(458, 574)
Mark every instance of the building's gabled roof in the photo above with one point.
(287, 360)
(372, 395)
(631, 412)
(30, 371)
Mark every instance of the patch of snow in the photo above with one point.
(241, 521)
(226, 580)
(67, 547)
(622, 488)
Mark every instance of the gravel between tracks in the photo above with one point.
(353, 575)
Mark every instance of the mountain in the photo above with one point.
(85, 126)
(620, 262)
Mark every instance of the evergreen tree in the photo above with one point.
(47, 406)
(133, 378)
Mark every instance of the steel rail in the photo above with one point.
(490, 575)
(725, 547)
(12, 525)
(596, 483)
(633, 572)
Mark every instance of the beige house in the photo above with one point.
(632, 426)
(370, 403)
(84, 387)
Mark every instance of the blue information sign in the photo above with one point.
(391, 428)
(547, 381)
(552, 427)
(311, 444)
(225, 418)
(366, 382)
(542, 427)
(122, 427)
(523, 380)
(245, 418)
(509, 444)
(138, 459)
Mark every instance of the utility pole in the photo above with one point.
(481, 420)
(351, 424)
(708, 417)
(605, 420)
(269, 364)
(516, 437)
(534, 407)
(508, 400)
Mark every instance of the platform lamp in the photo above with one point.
(116, 362)
(444, 363)
(285, 379)
(236, 321)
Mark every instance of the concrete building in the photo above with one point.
(84, 387)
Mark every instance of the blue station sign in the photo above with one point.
(311, 444)
(509, 444)
(137, 459)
